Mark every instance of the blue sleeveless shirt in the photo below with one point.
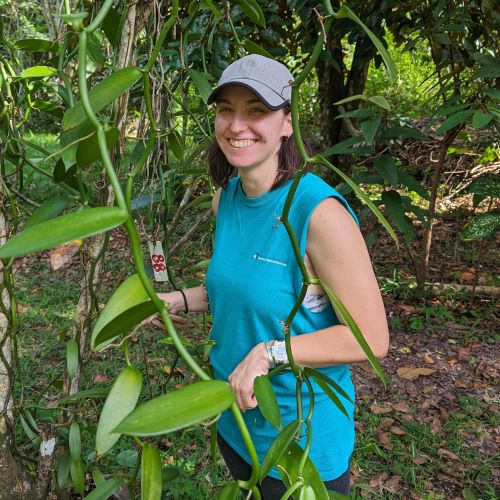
(253, 282)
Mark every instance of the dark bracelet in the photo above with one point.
(186, 309)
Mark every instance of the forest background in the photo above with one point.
(412, 132)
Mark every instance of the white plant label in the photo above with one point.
(158, 261)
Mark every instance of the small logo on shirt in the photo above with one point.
(257, 256)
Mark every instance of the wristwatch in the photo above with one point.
(276, 352)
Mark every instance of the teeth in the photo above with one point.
(242, 144)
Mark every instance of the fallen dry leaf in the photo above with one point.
(436, 425)
(377, 481)
(412, 372)
(393, 484)
(468, 276)
(380, 410)
(385, 440)
(21, 309)
(420, 459)
(452, 362)
(398, 431)
(64, 253)
(386, 422)
(100, 378)
(428, 359)
(409, 309)
(402, 406)
(447, 454)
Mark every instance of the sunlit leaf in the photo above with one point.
(151, 477)
(190, 405)
(278, 447)
(121, 400)
(104, 93)
(38, 72)
(484, 225)
(127, 307)
(380, 101)
(73, 226)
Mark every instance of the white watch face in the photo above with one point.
(279, 352)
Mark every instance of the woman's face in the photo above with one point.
(248, 132)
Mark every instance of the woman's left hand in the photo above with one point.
(256, 363)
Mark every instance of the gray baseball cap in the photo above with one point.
(270, 80)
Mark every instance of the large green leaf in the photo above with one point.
(190, 405)
(127, 307)
(37, 45)
(317, 374)
(252, 9)
(480, 119)
(266, 398)
(394, 208)
(482, 226)
(369, 128)
(50, 209)
(289, 463)
(151, 477)
(278, 447)
(386, 167)
(75, 442)
(88, 151)
(111, 27)
(105, 489)
(454, 121)
(63, 469)
(201, 83)
(73, 226)
(104, 93)
(120, 402)
(230, 492)
(348, 320)
(486, 185)
(77, 476)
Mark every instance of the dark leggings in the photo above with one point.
(271, 488)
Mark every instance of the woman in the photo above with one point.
(253, 280)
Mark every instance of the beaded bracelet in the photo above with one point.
(204, 286)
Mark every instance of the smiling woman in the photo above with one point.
(254, 280)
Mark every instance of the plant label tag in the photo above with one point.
(158, 261)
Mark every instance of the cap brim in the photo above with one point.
(267, 96)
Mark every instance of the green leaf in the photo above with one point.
(48, 107)
(350, 99)
(215, 10)
(37, 45)
(253, 48)
(63, 469)
(201, 83)
(266, 398)
(380, 101)
(290, 461)
(77, 476)
(405, 132)
(345, 12)
(72, 356)
(70, 140)
(335, 399)
(127, 307)
(484, 225)
(97, 476)
(252, 9)
(369, 128)
(50, 209)
(412, 184)
(121, 400)
(105, 489)
(278, 447)
(73, 226)
(104, 93)
(344, 147)
(111, 27)
(361, 194)
(175, 144)
(486, 185)
(348, 320)
(151, 477)
(75, 442)
(454, 121)
(468, 494)
(230, 492)
(190, 405)
(307, 493)
(493, 93)
(394, 207)
(386, 167)
(96, 392)
(88, 152)
(74, 20)
(317, 374)
(38, 72)
(94, 50)
(480, 119)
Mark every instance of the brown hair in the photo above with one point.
(289, 160)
